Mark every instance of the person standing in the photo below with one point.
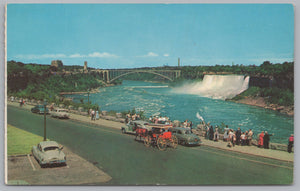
(211, 133)
(207, 131)
(291, 143)
(185, 123)
(97, 114)
(261, 139)
(243, 139)
(150, 118)
(238, 136)
(216, 134)
(226, 133)
(266, 140)
(232, 137)
(21, 102)
(92, 115)
(249, 138)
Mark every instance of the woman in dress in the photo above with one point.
(261, 139)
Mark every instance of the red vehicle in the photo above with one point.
(157, 136)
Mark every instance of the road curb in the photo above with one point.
(248, 153)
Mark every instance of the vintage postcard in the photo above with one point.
(149, 94)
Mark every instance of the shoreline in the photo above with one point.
(260, 102)
(95, 90)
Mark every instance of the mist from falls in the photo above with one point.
(216, 86)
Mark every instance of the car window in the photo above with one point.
(188, 132)
(50, 148)
(179, 132)
(174, 132)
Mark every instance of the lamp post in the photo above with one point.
(88, 101)
(45, 104)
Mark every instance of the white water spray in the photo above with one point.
(199, 116)
(216, 86)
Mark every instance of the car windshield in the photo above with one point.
(50, 148)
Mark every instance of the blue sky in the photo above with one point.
(137, 35)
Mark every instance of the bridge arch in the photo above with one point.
(142, 71)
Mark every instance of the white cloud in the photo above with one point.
(101, 55)
(35, 56)
(150, 54)
(166, 55)
(76, 55)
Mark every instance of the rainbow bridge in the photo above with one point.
(114, 74)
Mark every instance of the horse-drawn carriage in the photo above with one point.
(156, 135)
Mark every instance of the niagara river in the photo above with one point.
(185, 103)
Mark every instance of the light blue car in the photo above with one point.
(49, 153)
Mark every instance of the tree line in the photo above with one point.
(39, 81)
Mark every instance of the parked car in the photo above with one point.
(132, 125)
(39, 109)
(49, 153)
(60, 113)
(185, 136)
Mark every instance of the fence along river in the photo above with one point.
(206, 98)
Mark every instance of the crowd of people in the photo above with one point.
(132, 117)
(22, 102)
(94, 114)
(264, 139)
(160, 120)
(237, 137)
(233, 137)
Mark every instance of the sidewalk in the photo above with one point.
(252, 150)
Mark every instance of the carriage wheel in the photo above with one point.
(161, 144)
(174, 141)
(147, 141)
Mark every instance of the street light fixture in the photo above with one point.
(45, 104)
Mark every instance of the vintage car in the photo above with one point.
(185, 136)
(39, 109)
(49, 153)
(131, 126)
(60, 113)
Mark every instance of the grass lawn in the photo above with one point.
(19, 141)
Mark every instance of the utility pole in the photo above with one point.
(45, 104)
(89, 101)
(178, 62)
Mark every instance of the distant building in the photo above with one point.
(85, 66)
(56, 63)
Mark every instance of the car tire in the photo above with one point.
(43, 165)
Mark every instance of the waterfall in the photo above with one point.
(216, 86)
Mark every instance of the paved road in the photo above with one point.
(129, 162)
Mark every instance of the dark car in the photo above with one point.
(185, 136)
(39, 109)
